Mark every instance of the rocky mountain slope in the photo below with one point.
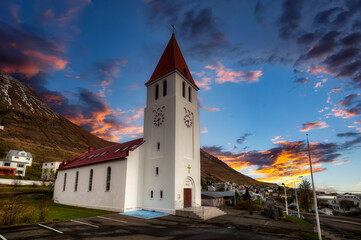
(29, 121)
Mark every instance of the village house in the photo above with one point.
(354, 198)
(49, 169)
(15, 163)
(217, 199)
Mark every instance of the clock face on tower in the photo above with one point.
(158, 117)
(188, 118)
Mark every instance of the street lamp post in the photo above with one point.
(286, 199)
(314, 193)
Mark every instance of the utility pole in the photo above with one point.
(286, 199)
(298, 208)
(314, 193)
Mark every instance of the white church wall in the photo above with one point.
(134, 180)
(162, 158)
(98, 197)
(187, 148)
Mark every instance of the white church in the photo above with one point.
(159, 172)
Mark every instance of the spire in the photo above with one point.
(171, 59)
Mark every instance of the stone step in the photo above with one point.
(203, 213)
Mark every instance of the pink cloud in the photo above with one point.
(313, 125)
(337, 112)
(228, 75)
(319, 84)
(205, 83)
(338, 163)
(315, 70)
(51, 60)
(203, 130)
(276, 139)
(209, 109)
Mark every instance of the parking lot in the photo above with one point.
(117, 226)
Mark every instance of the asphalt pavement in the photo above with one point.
(342, 227)
(117, 226)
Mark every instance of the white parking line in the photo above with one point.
(112, 219)
(2, 237)
(84, 223)
(50, 228)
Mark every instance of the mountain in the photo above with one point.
(33, 126)
(215, 170)
(30, 124)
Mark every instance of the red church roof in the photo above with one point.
(117, 151)
(171, 59)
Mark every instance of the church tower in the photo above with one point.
(171, 133)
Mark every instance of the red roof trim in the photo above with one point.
(172, 58)
(104, 154)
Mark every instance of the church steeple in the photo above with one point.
(171, 59)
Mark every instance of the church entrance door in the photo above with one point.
(187, 197)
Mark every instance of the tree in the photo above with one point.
(246, 196)
(305, 194)
(346, 205)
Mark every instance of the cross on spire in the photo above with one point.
(173, 28)
(189, 168)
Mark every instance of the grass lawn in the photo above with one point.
(36, 207)
(295, 220)
(63, 212)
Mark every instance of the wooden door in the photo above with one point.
(187, 197)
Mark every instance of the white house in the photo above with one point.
(2, 125)
(160, 171)
(49, 169)
(15, 163)
(355, 198)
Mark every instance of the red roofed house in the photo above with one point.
(160, 171)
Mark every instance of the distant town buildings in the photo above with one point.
(49, 169)
(15, 163)
(354, 199)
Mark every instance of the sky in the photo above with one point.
(269, 73)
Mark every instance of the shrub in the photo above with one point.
(244, 205)
(10, 211)
(27, 216)
(295, 220)
(43, 210)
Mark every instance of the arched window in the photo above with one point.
(156, 92)
(76, 181)
(64, 182)
(184, 89)
(107, 188)
(189, 94)
(91, 180)
(165, 88)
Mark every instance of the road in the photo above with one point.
(117, 226)
(345, 227)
